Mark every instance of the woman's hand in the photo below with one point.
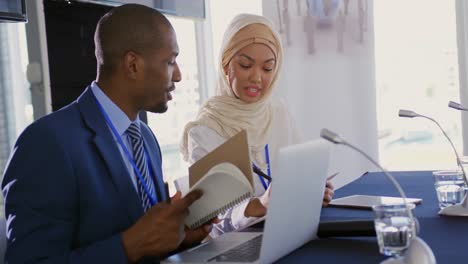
(328, 195)
(257, 207)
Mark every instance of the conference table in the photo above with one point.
(446, 235)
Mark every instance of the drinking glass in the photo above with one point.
(394, 227)
(450, 187)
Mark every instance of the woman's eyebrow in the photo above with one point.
(253, 60)
(247, 57)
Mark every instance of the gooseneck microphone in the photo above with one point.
(411, 114)
(336, 139)
(419, 251)
(458, 209)
(457, 106)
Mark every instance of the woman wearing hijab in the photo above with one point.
(251, 57)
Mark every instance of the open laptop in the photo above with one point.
(293, 215)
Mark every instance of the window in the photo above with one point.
(416, 69)
(168, 127)
(15, 99)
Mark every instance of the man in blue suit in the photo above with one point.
(84, 184)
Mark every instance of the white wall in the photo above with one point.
(328, 88)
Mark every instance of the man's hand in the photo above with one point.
(160, 230)
(195, 236)
(328, 195)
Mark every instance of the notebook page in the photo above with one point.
(224, 186)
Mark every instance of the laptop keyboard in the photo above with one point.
(248, 251)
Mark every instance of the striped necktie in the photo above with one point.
(140, 160)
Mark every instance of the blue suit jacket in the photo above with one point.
(68, 195)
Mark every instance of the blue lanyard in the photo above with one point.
(267, 157)
(153, 199)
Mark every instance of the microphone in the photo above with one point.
(407, 113)
(458, 209)
(411, 114)
(336, 139)
(331, 136)
(419, 251)
(457, 106)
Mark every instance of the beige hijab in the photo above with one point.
(226, 114)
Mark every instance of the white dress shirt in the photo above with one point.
(121, 123)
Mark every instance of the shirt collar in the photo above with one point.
(118, 118)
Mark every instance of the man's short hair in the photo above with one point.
(129, 27)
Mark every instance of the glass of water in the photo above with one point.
(450, 187)
(394, 227)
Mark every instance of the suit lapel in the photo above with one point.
(110, 153)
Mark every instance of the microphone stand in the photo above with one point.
(418, 252)
(460, 209)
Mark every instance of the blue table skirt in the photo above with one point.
(447, 236)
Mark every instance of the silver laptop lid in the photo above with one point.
(299, 178)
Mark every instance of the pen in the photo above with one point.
(332, 176)
(261, 173)
(168, 198)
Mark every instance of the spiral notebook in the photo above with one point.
(225, 177)
(224, 186)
